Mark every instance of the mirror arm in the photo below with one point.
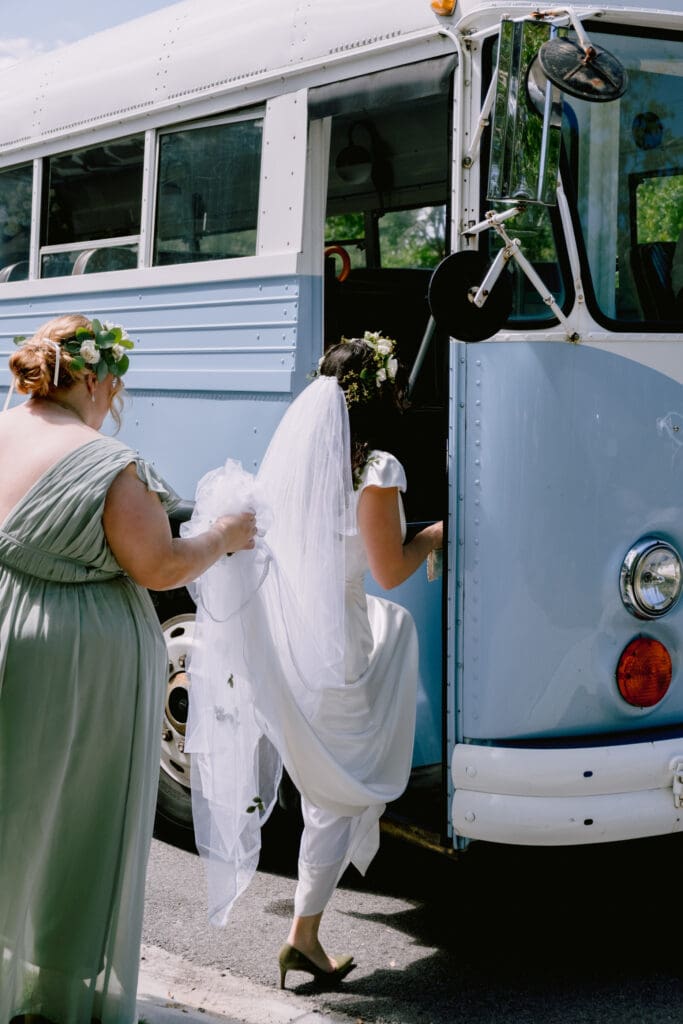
(512, 250)
(493, 220)
(538, 284)
(569, 12)
(492, 274)
(483, 123)
(545, 137)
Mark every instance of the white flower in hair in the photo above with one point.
(90, 352)
(387, 364)
(108, 325)
(118, 352)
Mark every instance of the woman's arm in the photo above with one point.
(392, 561)
(139, 535)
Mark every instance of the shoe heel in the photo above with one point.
(283, 963)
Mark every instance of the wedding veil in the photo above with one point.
(269, 639)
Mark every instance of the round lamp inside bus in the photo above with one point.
(651, 578)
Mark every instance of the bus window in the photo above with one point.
(656, 223)
(92, 195)
(629, 181)
(404, 238)
(15, 222)
(386, 201)
(348, 231)
(413, 238)
(207, 198)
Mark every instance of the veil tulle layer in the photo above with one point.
(269, 629)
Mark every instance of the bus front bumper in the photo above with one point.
(567, 796)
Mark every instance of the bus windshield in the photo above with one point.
(626, 161)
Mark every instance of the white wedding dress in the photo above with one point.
(291, 667)
(369, 722)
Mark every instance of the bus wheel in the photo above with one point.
(174, 803)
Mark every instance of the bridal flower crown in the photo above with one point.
(103, 348)
(361, 387)
(387, 363)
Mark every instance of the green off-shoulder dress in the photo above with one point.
(82, 670)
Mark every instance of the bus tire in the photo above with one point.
(176, 613)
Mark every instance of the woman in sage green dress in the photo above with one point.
(83, 530)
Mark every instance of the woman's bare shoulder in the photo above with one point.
(29, 447)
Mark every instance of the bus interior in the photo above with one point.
(386, 229)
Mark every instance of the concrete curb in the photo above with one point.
(174, 991)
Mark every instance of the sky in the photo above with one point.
(28, 27)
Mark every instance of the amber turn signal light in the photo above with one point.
(644, 672)
(443, 7)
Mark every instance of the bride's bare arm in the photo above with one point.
(139, 535)
(392, 561)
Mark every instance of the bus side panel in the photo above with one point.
(212, 371)
(568, 463)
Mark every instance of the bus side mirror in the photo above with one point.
(526, 119)
(468, 297)
(535, 67)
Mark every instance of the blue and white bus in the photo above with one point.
(499, 188)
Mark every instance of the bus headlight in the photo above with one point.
(651, 578)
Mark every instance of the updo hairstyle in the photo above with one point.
(372, 416)
(33, 363)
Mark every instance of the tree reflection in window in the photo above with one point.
(95, 193)
(207, 200)
(15, 221)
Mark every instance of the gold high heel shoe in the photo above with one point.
(290, 959)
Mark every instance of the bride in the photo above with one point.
(293, 663)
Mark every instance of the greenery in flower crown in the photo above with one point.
(360, 388)
(103, 349)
